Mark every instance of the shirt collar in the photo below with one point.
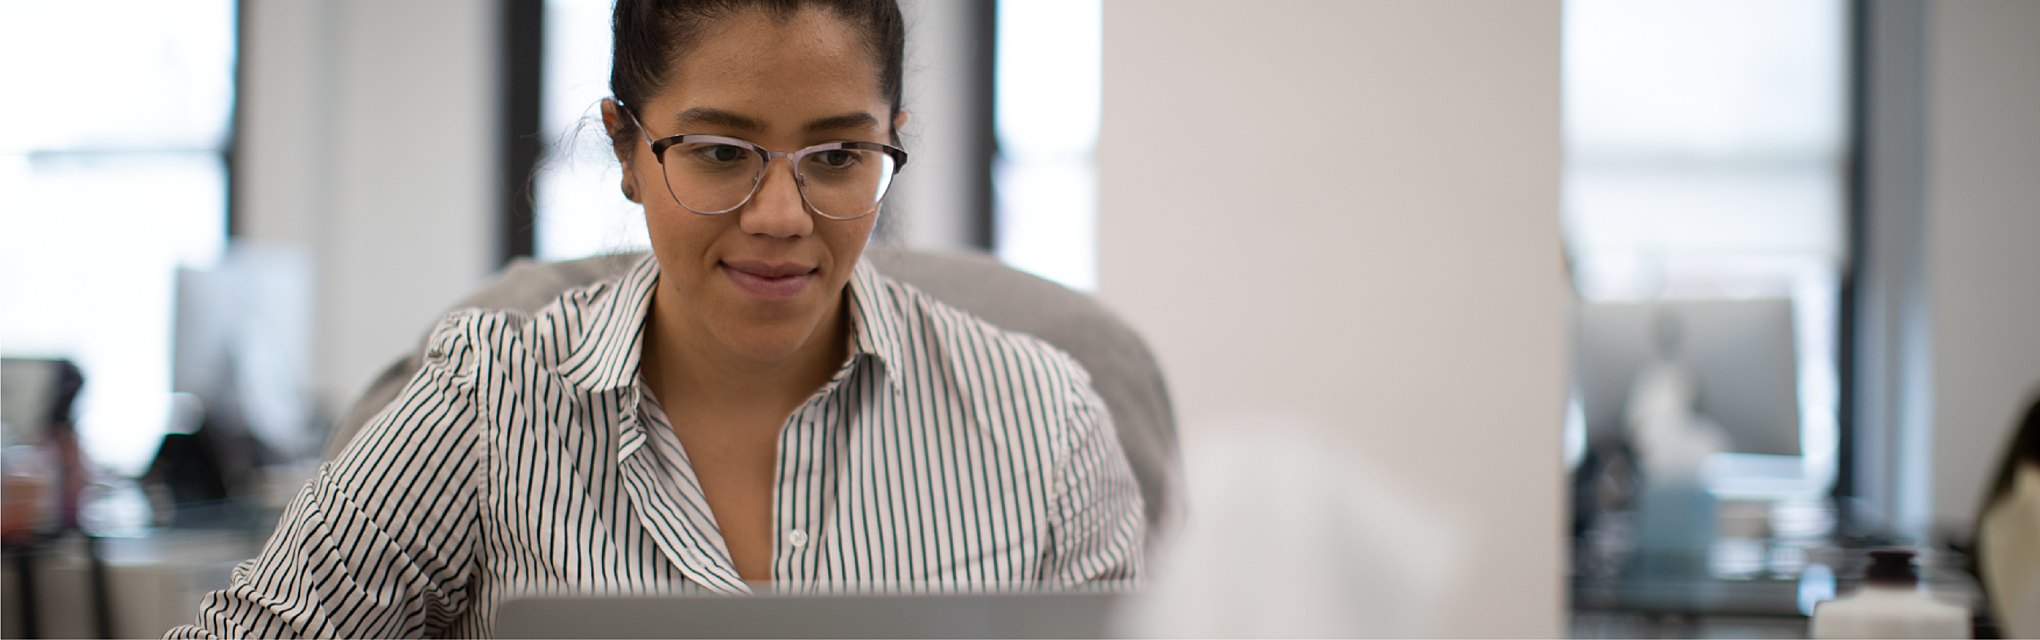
(606, 352)
(877, 328)
(607, 356)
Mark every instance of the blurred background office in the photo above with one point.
(1595, 317)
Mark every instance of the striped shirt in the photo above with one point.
(528, 455)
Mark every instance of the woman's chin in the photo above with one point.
(760, 333)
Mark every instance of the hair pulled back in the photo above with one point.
(651, 35)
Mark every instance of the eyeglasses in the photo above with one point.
(713, 175)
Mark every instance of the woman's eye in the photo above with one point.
(837, 158)
(721, 153)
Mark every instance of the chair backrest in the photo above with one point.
(1122, 369)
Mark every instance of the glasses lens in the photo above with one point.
(711, 177)
(845, 183)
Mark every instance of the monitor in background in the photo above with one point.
(1741, 354)
(243, 344)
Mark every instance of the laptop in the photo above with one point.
(965, 615)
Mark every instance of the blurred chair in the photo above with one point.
(1122, 369)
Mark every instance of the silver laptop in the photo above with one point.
(972, 615)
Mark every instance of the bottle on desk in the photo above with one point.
(1890, 605)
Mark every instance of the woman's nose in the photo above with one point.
(777, 209)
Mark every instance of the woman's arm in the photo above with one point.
(1099, 524)
(381, 543)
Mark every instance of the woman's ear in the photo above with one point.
(621, 143)
(899, 123)
(617, 127)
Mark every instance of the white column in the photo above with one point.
(1344, 215)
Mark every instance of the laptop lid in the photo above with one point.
(973, 615)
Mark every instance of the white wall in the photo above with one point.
(1982, 205)
(1345, 214)
(370, 137)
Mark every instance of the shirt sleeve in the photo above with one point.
(381, 543)
(1099, 523)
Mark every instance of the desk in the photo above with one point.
(1675, 594)
(151, 582)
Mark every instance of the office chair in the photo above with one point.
(1122, 369)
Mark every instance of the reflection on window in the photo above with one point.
(1050, 66)
(111, 175)
(1705, 143)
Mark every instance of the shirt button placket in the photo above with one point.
(799, 547)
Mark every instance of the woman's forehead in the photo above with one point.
(774, 73)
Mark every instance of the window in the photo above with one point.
(1050, 69)
(1706, 144)
(580, 209)
(112, 174)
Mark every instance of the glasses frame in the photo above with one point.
(765, 158)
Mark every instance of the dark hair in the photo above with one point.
(649, 35)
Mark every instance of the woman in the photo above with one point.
(750, 404)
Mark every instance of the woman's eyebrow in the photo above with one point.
(717, 117)
(858, 120)
(711, 116)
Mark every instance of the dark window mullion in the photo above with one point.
(522, 45)
(230, 153)
(1855, 219)
(984, 24)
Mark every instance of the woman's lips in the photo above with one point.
(769, 281)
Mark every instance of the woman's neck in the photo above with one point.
(691, 370)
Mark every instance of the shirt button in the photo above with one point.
(796, 538)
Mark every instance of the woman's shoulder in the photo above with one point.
(553, 310)
(980, 352)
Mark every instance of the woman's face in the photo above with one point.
(763, 280)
